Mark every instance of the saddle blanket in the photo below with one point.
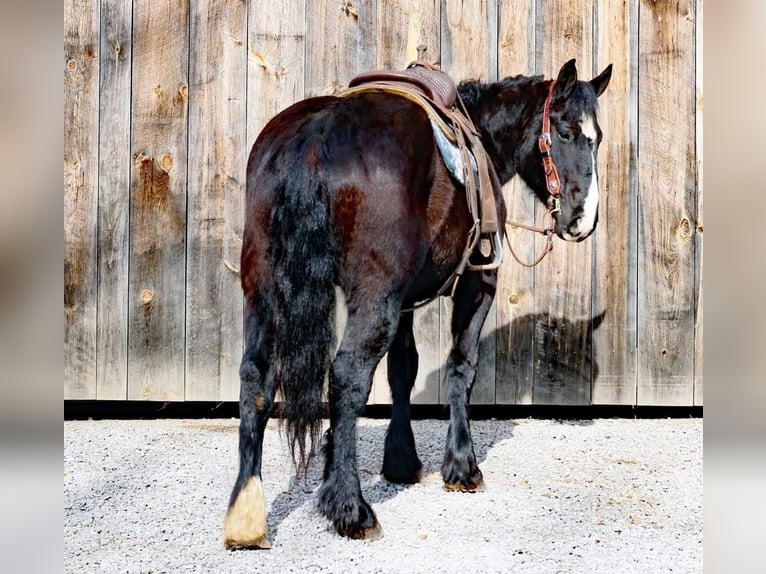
(451, 155)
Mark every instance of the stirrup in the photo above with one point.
(496, 249)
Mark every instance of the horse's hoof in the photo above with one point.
(245, 523)
(373, 532)
(412, 477)
(465, 477)
(472, 486)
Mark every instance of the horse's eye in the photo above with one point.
(565, 136)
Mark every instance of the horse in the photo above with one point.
(352, 193)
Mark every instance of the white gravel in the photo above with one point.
(561, 496)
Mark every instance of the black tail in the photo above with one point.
(303, 258)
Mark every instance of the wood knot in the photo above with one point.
(71, 64)
(349, 10)
(167, 163)
(146, 296)
(514, 299)
(184, 92)
(117, 49)
(157, 90)
(685, 229)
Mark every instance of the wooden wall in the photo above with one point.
(164, 98)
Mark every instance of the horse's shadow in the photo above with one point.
(430, 439)
(540, 359)
(552, 368)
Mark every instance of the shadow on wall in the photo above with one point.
(540, 359)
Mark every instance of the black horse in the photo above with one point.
(352, 192)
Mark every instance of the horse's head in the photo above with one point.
(573, 143)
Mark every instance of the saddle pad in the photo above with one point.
(451, 155)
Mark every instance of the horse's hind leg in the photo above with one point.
(245, 524)
(400, 459)
(369, 331)
(473, 299)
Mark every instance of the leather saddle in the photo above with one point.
(435, 83)
(435, 91)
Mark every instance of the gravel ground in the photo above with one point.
(561, 496)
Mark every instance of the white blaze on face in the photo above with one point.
(590, 207)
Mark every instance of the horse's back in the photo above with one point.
(371, 160)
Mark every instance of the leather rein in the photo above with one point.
(552, 182)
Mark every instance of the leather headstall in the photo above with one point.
(552, 180)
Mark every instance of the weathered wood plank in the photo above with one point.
(465, 32)
(698, 329)
(516, 290)
(667, 208)
(275, 61)
(156, 303)
(563, 362)
(340, 43)
(114, 192)
(402, 26)
(81, 95)
(614, 342)
(465, 54)
(215, 206)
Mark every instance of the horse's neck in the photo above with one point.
(505, 122)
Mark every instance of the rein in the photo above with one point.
(552, 182)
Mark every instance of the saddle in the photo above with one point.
(435, 91)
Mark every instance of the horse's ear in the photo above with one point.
(566, 80)
(601, 81)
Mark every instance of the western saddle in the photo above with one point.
(431, 88)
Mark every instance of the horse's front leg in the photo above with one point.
(473, 298)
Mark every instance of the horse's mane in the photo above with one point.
(472, 90)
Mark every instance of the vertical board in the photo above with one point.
(698, 330)
(465, 36)
(563, 280)
(466, 31)
(215, 206)
(340, 43)
(81, 94)
(156, 302)
(401, 26)
(614, 340)
(275, 61)
(667, 203)
(114, 193)
(516, 289)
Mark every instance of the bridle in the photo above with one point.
(552, 183)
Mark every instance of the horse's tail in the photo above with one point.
(304, 271)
